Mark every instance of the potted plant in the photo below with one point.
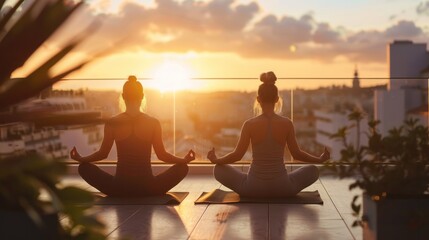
(31, 199)
(33, 205)
(393, 173)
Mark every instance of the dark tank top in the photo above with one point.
(134, 153)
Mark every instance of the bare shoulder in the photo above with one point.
(283, 122)
(117, 119)
(151, 121)
(252, 121)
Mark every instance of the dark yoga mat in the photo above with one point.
(169, 198)
(218, 196)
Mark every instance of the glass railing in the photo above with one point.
(207, 113)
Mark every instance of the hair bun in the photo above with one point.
(132, 78)
(268, 78)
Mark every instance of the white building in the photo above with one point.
(20, 137)
(335, 116)
(328, 123)
(406, 61)
(407, 90)
(10, 145)
(55, 142)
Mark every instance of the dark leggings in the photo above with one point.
(149, 186)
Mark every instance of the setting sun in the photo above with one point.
(172, 76)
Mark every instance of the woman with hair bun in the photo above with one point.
(268, 133)
(135, 133)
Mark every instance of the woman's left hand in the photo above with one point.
(75, 155)
(190, 156)
(326, 155)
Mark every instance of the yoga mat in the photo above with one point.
(170, 198)
(218, 196)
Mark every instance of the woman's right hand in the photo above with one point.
(75, 155)
(211, 155)
(190, 156)
(326, 155)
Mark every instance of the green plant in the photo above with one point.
(31, 182)
(387, 166)
(19, 40)
(27, 181)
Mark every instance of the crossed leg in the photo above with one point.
(105, 182)
(234, 179)
(303, 177)
(169, 178)
(230, 177)
(97, 178)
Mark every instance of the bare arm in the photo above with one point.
(239, 151)
(102, 153)
(162, 154)
(299, 154)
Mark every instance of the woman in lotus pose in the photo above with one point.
(269, 133)
(134, 133)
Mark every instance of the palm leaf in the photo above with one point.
(32, 212)
(74, 195)
(22, 178)
(8, 16)
(38, 29)
(39, 79)
(2, 3)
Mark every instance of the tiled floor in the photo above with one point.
(331, 220)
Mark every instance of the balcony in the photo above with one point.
(202, 120)
(332, 220)
(164, 43)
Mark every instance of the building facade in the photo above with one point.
(407, 93)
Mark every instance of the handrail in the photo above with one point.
(252, 78)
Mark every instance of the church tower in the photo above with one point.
(356, 81)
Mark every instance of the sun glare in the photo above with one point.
(172, 76)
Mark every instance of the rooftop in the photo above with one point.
(332, 220)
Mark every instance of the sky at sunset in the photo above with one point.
(173, 41)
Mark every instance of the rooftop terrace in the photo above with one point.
(332, 220)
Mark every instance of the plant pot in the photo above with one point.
(18, 225)
(404, 217)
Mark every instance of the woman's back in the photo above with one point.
(259, 128)
(134, 133)
(268, 134)
(268, 137)
(133, 136)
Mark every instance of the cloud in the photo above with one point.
(229, 26)
(325, 34)
(221, 16)
(403, 29)
(423, 8)
(370, 45)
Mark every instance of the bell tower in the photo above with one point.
(356, 81)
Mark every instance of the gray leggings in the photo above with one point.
(288, 184)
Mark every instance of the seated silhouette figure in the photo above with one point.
(135, 133)
(268, 133)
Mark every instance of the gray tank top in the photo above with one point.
(268, 155)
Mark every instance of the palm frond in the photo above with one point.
(4, 20)
(23, 88)
(15, 45)
(2, 3)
